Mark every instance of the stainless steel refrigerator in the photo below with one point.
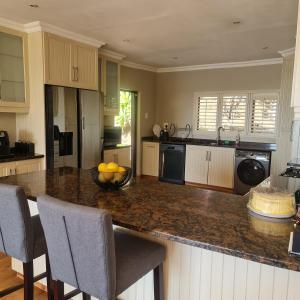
(74, 127)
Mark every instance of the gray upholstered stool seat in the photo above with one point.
(21, 236)
(85, 251)
(130, 252)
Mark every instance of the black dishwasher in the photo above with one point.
(172, 163)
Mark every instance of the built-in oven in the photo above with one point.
(112, 136)
(172, 163)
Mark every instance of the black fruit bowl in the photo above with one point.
(109, 185)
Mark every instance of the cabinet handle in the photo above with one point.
(73, 73)
(162, 165)
(206, 158)
(76, 74)
(83, 123)
(209, 156)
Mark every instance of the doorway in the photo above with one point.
(127, 120)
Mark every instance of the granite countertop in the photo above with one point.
(201, 218)
(205, 142)
(116, 147)
(17, 157)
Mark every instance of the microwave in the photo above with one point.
(112, 136)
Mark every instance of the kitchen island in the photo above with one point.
(215, 248)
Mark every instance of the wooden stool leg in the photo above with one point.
(86, 296)
(58, 289)
(28, 280)
(158, 283)
(49, 279)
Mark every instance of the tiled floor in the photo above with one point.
(9, 278)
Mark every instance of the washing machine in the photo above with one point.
(251, 168)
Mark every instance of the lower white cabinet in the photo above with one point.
(20, 167)
(121, 156)
(150, 164)
(210, 165)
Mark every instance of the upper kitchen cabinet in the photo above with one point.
(110, 86)
(14, 83)
(69, 63)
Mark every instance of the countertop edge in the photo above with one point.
(21, 157)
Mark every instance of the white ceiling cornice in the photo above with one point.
(11, 24)
(287, 52)
(138, 66)
(227, 65)
(40, 26)
(111, 54)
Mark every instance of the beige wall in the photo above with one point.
(8, 123)
(174, 91)
(142, 82)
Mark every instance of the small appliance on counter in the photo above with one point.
(293, 169)
(164, 134)
(4, 144)
(24, 148)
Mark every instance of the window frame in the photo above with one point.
(246, 134)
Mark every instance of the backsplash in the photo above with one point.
(8, 123)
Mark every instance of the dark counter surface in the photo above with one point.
(116, 147)
(17, 157)
(205, 142)
(197, 217)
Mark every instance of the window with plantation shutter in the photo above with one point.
(234, 112)
(263, 113)
(207, 111)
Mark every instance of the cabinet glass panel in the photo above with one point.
(112, 92)
(12, 87)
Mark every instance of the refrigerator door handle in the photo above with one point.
(83, 123)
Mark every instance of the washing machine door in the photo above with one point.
(251, 172)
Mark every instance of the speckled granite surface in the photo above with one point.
(201, 218)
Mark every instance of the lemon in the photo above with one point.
(102, 167)
(108, 176)
(112, 167)
(118, 177)
(101, 177)
(121, 170)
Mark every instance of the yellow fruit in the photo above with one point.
(102, 167)
(101, 177)
(118, 177)
(121, 169)
(112, 167)
(108, 176)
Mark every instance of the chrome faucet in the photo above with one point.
(219, 134)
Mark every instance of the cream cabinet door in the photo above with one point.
(58, 69)
(150, 164)
(7, 169)
(221, 167)
(85, 62)
(28, 166)
(124, 156)
(196, 164)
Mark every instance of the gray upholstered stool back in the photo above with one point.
(16, 235)
(80, 243)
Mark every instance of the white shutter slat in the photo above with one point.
(207, 108)
(264, 112)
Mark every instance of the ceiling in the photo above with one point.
(170, 33)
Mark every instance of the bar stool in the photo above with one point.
(21, 237)
(85, 252)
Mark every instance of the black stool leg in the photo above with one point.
(49, 279)
(158, 283)
(58, 288)
(86, 296)
(28, 280)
